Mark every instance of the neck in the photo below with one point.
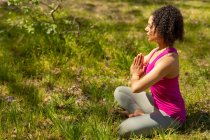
(162, 45)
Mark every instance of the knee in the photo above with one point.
(117, 91)
(126, 127)
(132, 126)
(123, 132)
(127, 132)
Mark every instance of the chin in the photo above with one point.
(149, 39)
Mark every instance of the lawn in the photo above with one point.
(57, 80)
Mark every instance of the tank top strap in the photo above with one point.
(152, 54)
(166, 51)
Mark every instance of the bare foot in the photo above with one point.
(137, 112)
(124, 113)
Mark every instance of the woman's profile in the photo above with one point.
(159, 70)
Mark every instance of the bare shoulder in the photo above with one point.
(169, 64)
(170, 59)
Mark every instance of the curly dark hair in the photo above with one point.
(168, 21)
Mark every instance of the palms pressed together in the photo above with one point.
(137, 71)
(137, 67)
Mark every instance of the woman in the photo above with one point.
(164, 107)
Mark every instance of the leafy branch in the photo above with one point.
(53, 9)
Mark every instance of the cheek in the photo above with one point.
(152, 36)
(151, 33)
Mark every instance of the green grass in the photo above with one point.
(61, 87)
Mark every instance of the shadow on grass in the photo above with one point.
(9, 74)
(199, 120)
(27, 92)
(162, 2)
(142, 2)
(188, 6)
(21, 52)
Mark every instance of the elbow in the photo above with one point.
(135, 89)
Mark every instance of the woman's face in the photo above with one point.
(150, 29)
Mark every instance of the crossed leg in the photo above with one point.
(144, 117)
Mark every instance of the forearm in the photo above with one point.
(134, 80)
(138, 84)
(137, 76)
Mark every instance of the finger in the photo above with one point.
(144, 68)
(140, 54)
(142, 59)
(142, 62)
(135, 61)
(139, 59)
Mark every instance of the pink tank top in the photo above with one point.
(166, 92)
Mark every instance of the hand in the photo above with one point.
(136, 68)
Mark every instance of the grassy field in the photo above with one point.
(61, 87)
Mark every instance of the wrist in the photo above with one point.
(134, 77)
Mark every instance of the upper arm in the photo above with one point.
(161, 69)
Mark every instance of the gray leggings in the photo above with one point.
(153, 119)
